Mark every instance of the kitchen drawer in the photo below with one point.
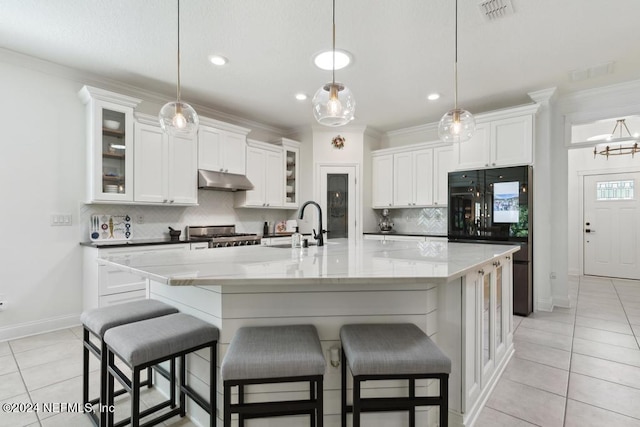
(112, 281)
(123, 297)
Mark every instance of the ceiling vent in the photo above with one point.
(494, 9)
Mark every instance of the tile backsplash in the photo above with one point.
(215, 208)
(425, 220)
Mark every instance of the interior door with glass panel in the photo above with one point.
(338, 201)
(611, 232)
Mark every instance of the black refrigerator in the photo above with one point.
(496, 206)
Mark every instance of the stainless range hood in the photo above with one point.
(211, 180)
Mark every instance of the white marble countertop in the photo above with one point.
(340, 261)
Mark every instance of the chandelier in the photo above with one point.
(620, 145)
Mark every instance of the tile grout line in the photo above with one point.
(575, 314)
(625, 315)
(24, 383)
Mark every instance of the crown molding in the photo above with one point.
(91, 79)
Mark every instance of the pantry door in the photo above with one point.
(611, 227)
(338, 193)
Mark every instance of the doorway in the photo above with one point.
(338, 195)
(611, 231)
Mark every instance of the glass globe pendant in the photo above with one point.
(457, 125)
(334, 104)
(177, 117)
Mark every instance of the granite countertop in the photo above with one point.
(339, 262)
(406, 233)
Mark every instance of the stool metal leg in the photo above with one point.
(227, 405)
(313, 415)
(356, 402)
(110, 398)
(412, 395)
(213, 387)
(320, 402)
(240, 402)
(444, 406)
(135, 398)
(181, 383)
(343, 391)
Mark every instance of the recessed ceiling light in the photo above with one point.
(324, 60)
(433, 96)
(301, 96)
(218, 60)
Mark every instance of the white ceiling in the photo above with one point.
(403, 50)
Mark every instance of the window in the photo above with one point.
(614, 190)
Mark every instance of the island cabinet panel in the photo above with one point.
(231, 309)
(459, 294)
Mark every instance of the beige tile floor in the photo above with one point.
(575, 367)
(572, 367)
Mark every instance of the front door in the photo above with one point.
(611, 231)
(338, 200)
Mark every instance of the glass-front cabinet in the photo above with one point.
(291, 162)
(110, 145)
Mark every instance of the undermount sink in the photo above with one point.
(288, 245)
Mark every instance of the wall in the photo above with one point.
(424, 220)
(42, 167)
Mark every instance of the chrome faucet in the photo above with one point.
(319, 238)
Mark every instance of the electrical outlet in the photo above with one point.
(140, 219)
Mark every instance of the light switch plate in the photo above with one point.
(61, 219)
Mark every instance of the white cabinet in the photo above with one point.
(105, 285)
(499, 142)
(266, 173)
(382, 181)
(165, 167)
(110, 145)
(221, 150)
(291, 167)
(487, 326)
(413, 178)
(443, 163)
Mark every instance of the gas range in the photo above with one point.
(220, 236)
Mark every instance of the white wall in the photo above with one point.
(42, 167)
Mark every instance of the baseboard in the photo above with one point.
(561, 302)
(22, 330)
(544, 304)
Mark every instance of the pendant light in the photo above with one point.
(177, 117)
(456, 125)
(334, 104)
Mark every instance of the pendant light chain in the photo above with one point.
(333, 66)
(455, 64)
(179, 51)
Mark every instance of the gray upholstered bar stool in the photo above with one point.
(274, 354)
(96, 322)
(391, 352)
(150, 342)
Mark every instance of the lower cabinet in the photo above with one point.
(104, 285)
(487, 326)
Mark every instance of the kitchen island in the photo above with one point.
(459, 294)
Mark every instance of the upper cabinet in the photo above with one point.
(382, 176)
(110, 145)
(165, 166)
(502, 138)
(273, 171)
(291, 164)
(222, 147)
(411, 176)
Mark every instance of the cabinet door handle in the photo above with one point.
(171, 201)
(480, 272)
(508, 257)
(493, 164)
(390, 204)
(486, 164)
(221, 170)
(164, 201)
(435, 203)
(227, 170)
